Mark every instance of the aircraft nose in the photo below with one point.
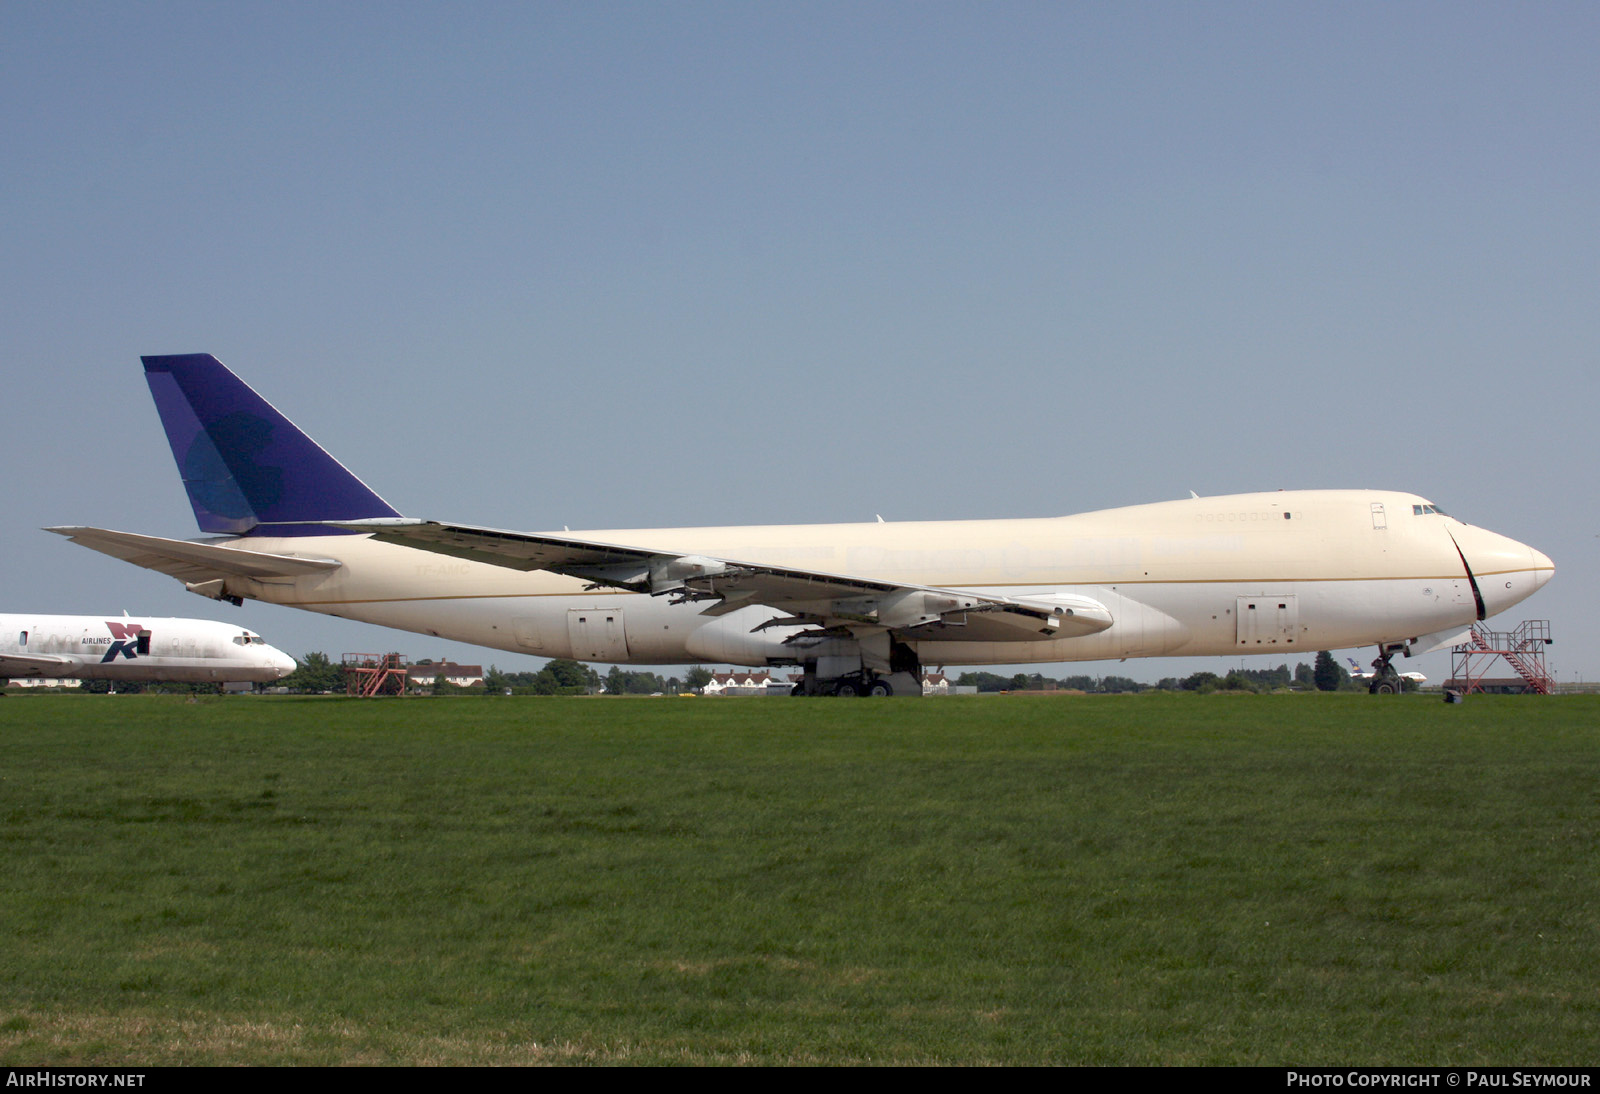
(1506, 571)
(282, 664)
(1543, 568)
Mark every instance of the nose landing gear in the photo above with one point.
(1385, 679)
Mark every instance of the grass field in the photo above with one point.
(1147, 879)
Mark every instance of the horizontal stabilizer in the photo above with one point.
(192, 562)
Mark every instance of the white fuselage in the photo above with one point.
(136, 648)
(1270, 573)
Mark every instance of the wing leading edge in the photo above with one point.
(836, 603)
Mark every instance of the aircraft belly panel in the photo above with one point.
(525, 629)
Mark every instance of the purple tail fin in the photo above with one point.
(248, 469)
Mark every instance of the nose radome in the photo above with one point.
(1543, 568)
(1506, 571)
(1490, 554)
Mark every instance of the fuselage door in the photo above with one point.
(597, 634)
(1266, 621)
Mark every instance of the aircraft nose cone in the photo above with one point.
(283, 665)
(1506, 571)
(1543, 568)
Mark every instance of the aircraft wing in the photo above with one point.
(192, 562)
(16, 664)
(835, 602)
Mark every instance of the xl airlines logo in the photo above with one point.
(128, 640)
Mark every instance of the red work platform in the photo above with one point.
(1522, 649)
(369, 674)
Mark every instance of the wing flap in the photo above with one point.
(189, 561)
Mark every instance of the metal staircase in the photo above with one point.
(369, 674)
(1522, 649)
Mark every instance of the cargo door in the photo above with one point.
(1267, 621)
(597, 634)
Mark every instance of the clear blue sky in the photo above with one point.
(535, 265)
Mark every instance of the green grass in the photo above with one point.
(1152, 879)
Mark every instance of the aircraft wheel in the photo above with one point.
(1384, 687)
(847, 688)
(880, 689)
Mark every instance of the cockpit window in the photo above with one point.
(1418, 510)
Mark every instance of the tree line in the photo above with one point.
(1325, 674)
(318, 673)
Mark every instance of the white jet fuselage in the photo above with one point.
(1269, 573)
(136, 648)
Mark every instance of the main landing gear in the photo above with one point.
(879, 667)
(862, 683)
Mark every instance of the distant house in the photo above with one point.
(751, 682)
(741, 682)
(421, 677)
